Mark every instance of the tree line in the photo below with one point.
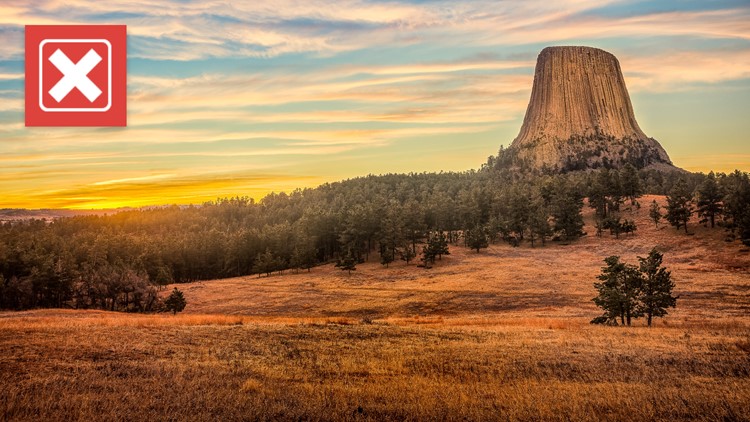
(119, 261)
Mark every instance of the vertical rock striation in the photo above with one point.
(580, 116)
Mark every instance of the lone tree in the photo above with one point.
(428, 256)
(679, 205)
(407, 253)
(654, 213)
(476, 238)
(656, 289)
(347, 262)
(627, 291)
(386, 256)
(175, 302)
(709, 200)
(618, 292)
(439, 246)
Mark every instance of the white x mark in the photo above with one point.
(75, 75)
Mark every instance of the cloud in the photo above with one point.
(259, 89)
(133, 179)
(681, 70)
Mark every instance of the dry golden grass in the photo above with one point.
(500, 335)
(554, 281)
(185, 368)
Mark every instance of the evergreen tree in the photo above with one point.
(386, 255)
(737, 204)
(304, 255)
(175, 302)
(539, 227)
(598, 193)
(439, 246)
(679, 205)
(656, 289)
(265, 263)
(631, 183)
(406, 252)
(391, 233)
(614, 225)
(295, 262)
(654, 212)
(628, 226)
(709, 200)
(518, 211)
(428, 256)
(347, 262)
(565, 207)
(618, 292)
(606, 192)
(476, 238)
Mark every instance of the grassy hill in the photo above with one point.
(551, 281)
(499, 335)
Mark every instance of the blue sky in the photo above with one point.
(247, 98)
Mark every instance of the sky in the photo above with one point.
(244, 98)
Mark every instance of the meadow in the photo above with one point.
(503, 334)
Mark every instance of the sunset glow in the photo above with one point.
(254, 98)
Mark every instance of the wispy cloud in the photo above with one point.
(133, 179)
(259, 89)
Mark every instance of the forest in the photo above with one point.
(120, 261)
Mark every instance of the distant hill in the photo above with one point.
(48, 214)
(16, 214)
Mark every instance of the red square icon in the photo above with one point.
(76, 75)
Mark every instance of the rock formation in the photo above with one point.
(580, 117)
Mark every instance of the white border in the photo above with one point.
(109, 74)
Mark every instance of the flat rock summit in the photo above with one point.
(580, 117)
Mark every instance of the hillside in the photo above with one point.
(553, 281)
(502, 334)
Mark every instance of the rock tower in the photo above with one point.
(580, 117)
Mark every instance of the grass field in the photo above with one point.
(499, 335)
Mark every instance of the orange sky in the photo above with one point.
(241, 99)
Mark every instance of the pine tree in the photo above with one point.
(476, 238)
(709, 200)
(391, 233)
(565, 207)
(679, 205)
(539, 227)
(656, 289)
(737, 204)
(654, 212)
(439, 246)
(406, 252)
(266, 263)
(614, 225)
(518, 211)
(631, 183)
(598, 193)
(428, 256)
(175, 302)
(618, 292)
(628, 226)
(347, 262)
(295, 261)
(606, 192)
(386, 255)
